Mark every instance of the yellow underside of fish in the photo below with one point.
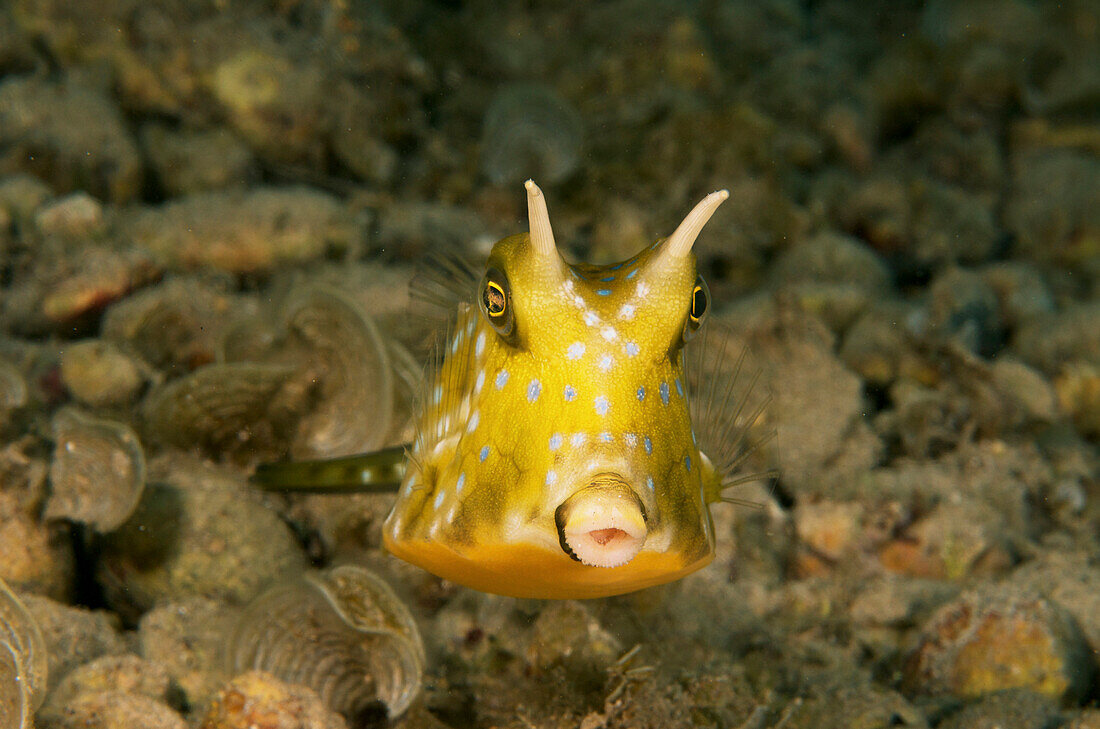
(531, 571)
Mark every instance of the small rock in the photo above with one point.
(125, 674)
(831, 529)
(100, 374)
(70, 135)
(258, 699)
(1078, 390)
(243, 231)
(113, 710)
(1000, 638)
(74, 636)
(76, 215)
(1021, 291)
(187, 638)
(1016, 708)
(199, 531)
(192, 161)
(1049, 341)
(1026, 390)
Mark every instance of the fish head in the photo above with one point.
(557, 456)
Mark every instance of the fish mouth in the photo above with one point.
(603, 524)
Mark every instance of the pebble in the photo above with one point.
(100, 374)
(998, 638)
(257, 699)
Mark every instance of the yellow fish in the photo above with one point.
(555, 455)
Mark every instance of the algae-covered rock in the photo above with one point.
(1000, 638)
(197, 532)
(257, 698)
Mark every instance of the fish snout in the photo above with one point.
(602, 524)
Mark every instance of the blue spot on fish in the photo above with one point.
(648, 445)
(602, 405)
(605, 437)
(641, 394)
(534, 387)
(632, 274)
(460, 482)
(649, 483)
(687, 462)
(570, 394)
(679, 387)
(664, 392)
(502, 378)
(617, 266)
(603, 292)
(484, 453)
(605, 279)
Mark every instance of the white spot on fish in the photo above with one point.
(577, 440)
(575, 350)
(641, 290)
(602, 405)
(605, 437)
(630, 439)
(570, 394)
(648, 445)
(551, 478)
(591, 318)
(626, 313)
(605, 362)
(439, 498)
(631, 349)
(475, 418)
(555, 441)
(484, 453)
(480, 383)
(664, 392)
(649, 483)
(460, 482)
(502, 379)
(609, 334)
(479, 348)
(534, 387)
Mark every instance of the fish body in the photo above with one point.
(555, 455)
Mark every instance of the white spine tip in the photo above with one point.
(542, 235)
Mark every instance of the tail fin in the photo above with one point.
(377, 472)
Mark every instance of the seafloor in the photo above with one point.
(210, 213)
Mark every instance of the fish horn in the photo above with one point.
(680, 242)
(542, 235)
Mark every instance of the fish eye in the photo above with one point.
(700, 302)
(495, 300)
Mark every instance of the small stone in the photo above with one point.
(1049, 341)
(113, 710)
(1016, 708)
(1078, 389)
(197, 160)
(1026, 389)
(100, 374)
(76, 215)
(1001, 638)
(829, 528)
(126, 674)
(257, 699)
(187, 638)
(74, 636)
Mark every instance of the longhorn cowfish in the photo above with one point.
(554, 454)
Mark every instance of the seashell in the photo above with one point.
(530, 131)
(340, 359)
(349, 359)
(225, 408)
(342, 632)
(97, 474)
(23, 669)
